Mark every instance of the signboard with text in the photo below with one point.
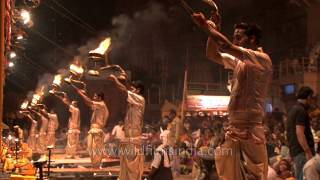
(207, 103)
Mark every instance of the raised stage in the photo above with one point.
(81, 168)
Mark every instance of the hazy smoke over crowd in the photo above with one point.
(148, 41)
(152, 43)
(155, 42)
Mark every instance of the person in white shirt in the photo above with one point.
(161, 164)
(118, 132)
(117, 136)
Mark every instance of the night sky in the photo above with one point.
(154, 39)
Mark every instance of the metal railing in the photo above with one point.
(157, 95)
(207, 88)
(292, 67)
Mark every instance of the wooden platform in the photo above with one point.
(107, 170)
(58, 159)
(81, 168)
(88, 173)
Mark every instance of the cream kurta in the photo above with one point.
(250, 84)
(134, 118)
(244, 154)
(131, 155)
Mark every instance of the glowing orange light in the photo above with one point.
(24, 105)
(57, 80)
(202, 102)
(77, 70)
(103, 47)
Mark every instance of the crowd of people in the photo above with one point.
(292, 138)
(202, 131)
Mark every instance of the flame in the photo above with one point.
(41, 91)
(103, 47)
(24, 105)
(76, 69)
(77, 61)
(57, 80)
(34, 101)
(36, 98)
(25, 16)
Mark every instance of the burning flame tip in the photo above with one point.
(76, 69)
(24, 105)
(103, 46)
(57, 80)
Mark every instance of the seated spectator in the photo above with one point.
(187, 127)
(271, 146)
(284, 149)
(164, 123)
(283, 169)
(196, 138)
(118, 132)
(272, 174)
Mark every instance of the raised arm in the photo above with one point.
(64, 99)
(86, 99)
(303, 141)
(300, 123)
(41, 112)
(118, 84)
(35, 112)
(84, 96)
(212, 52)
(28, 116)
(44, 113)
(220, 40)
